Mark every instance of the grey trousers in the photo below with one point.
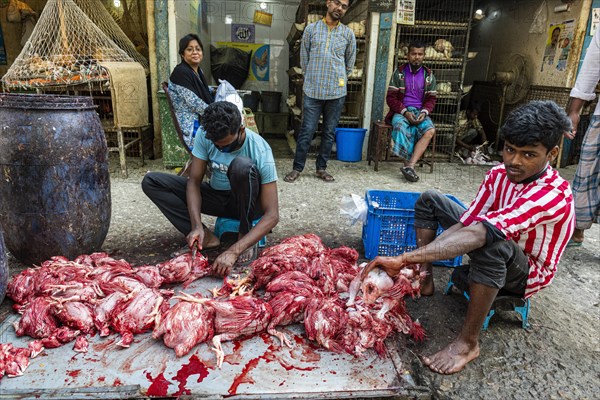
(168, 192)
(501, 264)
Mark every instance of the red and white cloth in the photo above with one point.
(539, 216)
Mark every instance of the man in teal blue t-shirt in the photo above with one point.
(243, 186)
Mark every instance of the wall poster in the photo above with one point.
(558, 46)
(244, 33)
(259, 63)
(595, 20)
(406, 12)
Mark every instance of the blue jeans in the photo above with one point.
(311, 111)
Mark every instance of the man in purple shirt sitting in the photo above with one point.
(411, 97)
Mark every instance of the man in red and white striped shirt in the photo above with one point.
(514, 232)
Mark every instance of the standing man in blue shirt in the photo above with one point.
(327, 55)
(243, 186)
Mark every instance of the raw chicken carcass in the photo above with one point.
(138, 315)
(149, 275)
(104, 310)
(239, 316)
(185, 325)
(378, 284)
(76, 315)
(38, 320)
(324, 321)
(184, 268)
(307, 245)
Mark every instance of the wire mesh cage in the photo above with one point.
(443, 27)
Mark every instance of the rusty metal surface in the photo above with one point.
(255, 367)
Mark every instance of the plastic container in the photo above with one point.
(349, 143)
(270, 101)
(251, 100)
(390, 226)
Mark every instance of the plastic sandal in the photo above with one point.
(322, 174)
(410, 174)
(292, 176)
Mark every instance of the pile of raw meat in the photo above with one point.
(298, 280)
(63, 301)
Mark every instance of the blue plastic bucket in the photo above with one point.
(349, 142)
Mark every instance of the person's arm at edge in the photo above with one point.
(194, 201)
(350, 56)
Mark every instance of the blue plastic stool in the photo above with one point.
(223, 225)
(504, 302)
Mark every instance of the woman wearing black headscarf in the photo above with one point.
(188, 89)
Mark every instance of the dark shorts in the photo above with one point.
(501, 264)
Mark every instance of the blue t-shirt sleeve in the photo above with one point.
(266, 166)
(201, 145)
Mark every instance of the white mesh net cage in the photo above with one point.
(67, 46)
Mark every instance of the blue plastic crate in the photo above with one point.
(390, 226)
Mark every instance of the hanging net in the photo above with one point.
(64, 49)
(100, 16)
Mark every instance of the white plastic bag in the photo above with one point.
(226, 92)
(355, 208)
(540, 17)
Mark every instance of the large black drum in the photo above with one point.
(3, 268)
(55, 186)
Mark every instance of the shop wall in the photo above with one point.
(505, 31)
(191, 17)
(11, 31)
(221, 14)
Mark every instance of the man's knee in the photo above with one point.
(241, 167)
(149, 182)
(429, 134)
(429, 197)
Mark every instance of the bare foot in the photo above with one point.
(578, 235)
(210, 240)
(453, 357)
(427, 286)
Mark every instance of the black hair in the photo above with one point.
(416, 44)
(220, 119)
(474, 106)
(184, 41)
(540, 121)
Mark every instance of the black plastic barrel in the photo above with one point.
(251, 100)
(55, 186)
(270, 101)
(3, 269)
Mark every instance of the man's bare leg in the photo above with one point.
(424, 237)
(420, 148)
(465, 347)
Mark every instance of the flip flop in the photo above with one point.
(573, 243)
(292, 176)
(409, 174)
(324, 175)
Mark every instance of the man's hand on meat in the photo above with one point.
(391, 265)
